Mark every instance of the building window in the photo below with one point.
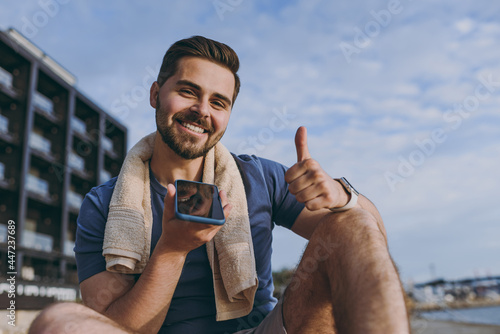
(40, 143)
(38, 241)
(78, 125)
(43, 103)
(76, 162)
(107, 144)
(5, 78)
(104, 175)
(4, 124)
(2, 171)
(37, 185)
(68, 247)
(75, 200)
(3, 233)
(28, 273)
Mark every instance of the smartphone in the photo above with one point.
(198, 202)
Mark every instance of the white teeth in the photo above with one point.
(183, 199)
(193, 128)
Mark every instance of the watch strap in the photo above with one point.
(354, 194)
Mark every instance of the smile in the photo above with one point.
(192, 127)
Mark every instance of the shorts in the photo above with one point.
(272, 323)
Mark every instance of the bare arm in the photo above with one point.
(307, 220)
(142, 306)
(312, 186)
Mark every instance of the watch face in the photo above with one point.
(349, 186)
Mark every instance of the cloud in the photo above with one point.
(465, 25)
(362, 116)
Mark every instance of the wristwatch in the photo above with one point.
(349, 189)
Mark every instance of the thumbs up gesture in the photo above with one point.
(301, 144)
(309, 183)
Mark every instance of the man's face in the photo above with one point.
(193, 106)
(194, 199)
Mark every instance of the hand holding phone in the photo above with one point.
(198, 202)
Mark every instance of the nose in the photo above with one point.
(201, 107)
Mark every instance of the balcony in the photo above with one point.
(37, 185)
(104, 176)
(68, 248)
(5, 78)
(107, 144)
(4, 124)
(5, 135)
(43, 103)
(28, 273)
(79, 126)
(40, 143)
(37, 241)
(3, 233)
(76, 162)
(74, 200)
(6, 84)
(6, 182)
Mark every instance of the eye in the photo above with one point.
(219, 104)
(186, 91)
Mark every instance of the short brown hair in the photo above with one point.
(201, 47)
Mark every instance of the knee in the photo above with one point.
(53, 319)
(348, 227)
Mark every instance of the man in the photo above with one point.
(345, 282)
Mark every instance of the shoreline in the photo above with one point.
(427, 326)
(455, 305)
(419, 325)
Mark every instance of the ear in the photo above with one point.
(153, 94)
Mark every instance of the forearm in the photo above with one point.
(306, 222)
(144, 307)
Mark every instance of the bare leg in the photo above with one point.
(72, 318)
(346, 281)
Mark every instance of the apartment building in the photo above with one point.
(55, 145)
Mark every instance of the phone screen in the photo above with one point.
(198, 202)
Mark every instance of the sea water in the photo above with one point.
(479, 315)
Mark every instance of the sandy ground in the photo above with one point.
(422, 326)
(23, 321)
(419, 326)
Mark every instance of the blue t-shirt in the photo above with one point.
(192, 309)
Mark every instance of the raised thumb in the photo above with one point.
(301, 144)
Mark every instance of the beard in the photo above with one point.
(183, 144)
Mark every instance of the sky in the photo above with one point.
(400, 97)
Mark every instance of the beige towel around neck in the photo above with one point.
(127, 237)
